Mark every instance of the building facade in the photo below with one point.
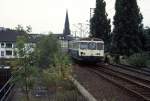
(8, 43)
(7, 50)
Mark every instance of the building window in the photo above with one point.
(2, 53)
(8, 45)
(9, 53)
(2, 45)
(14, 45)
(15, 53)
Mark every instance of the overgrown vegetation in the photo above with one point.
(128, 35)
(26, 72)
(46, 64)
(139, 59)
(45, 50)
(57, 71)
(57, 76)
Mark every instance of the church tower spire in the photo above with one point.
(66, 30)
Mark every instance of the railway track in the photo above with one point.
(132, 74)
(136, 86)
(144, 71)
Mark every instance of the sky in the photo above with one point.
(49, 15)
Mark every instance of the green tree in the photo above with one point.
(62, 64)
(55, 65)
(45, 50)
(19, 28)
(99, 24)
(24, 77)
(28, 29)
(128, 28)
(58, 73)
(49, 78)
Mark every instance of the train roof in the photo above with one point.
(90, 39)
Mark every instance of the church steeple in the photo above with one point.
(66, 30)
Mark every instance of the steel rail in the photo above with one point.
(124, 83)
(143, 81)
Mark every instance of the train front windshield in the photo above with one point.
(88, 45)
(83, 45)
(91, 46)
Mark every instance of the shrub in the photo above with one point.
(148, 63)
(138, 59)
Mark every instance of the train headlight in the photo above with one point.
(82, 53)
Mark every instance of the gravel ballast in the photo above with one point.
(100, 88)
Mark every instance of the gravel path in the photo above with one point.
(40, 93)
(100, 88)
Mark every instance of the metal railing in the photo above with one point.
(5, 90)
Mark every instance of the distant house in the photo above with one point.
(64, 39)
(8, 42)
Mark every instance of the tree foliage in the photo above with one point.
(58, 71)
(47, 54)
(55, 65)
(138, 59)
(24, 76)
(128, 28)
(20, 28)
(45, 50)
(99, 24)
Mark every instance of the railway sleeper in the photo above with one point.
(120, 83)
(128, 78)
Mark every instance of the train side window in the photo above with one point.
(2, 53)
(70, 45)
(73, 45)
(100, 46)
(76, 45)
